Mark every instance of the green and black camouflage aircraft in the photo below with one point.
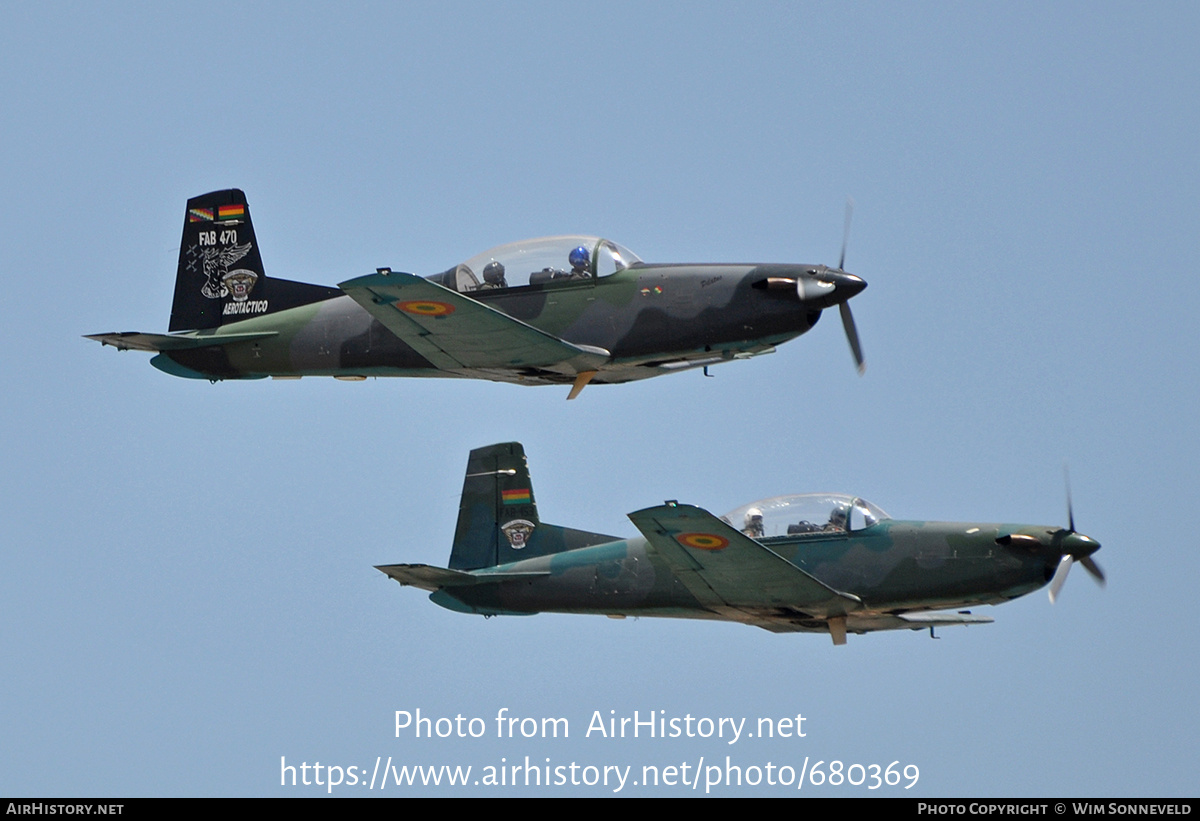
(552, 311)
(824, 563)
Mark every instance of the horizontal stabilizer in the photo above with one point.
(432, 578)
(455, 332)
(157, 343)
(426, 576)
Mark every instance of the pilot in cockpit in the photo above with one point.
(580, 263)
(753, 523)
(493, 275)
(838, 518)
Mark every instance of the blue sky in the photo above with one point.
(189, 593)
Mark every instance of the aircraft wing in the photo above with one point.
(727, 570)
(455, 332)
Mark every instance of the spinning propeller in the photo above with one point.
(1074, 547)
(823, 287)
(1064, 546)
(844, 307)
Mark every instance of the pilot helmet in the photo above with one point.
(754, 517)
(839, 515)
(493, 272)
(579, 258)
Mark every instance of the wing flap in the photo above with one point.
(724, 568)
(455, 332)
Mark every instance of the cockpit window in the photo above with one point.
(538, 262)
(805, 513)
(611, 258)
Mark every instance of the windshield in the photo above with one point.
(538, 261)
(804, 513)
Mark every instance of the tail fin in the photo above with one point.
(497, 518)
(220, 277)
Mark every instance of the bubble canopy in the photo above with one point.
(804, 513)
(537, 262)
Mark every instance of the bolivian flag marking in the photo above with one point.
(425, 307)
(516, 496)
(703, 541)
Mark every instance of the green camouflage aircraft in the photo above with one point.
(823, 563)
(551, 311)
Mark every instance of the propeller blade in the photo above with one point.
(1070, 507)
(1060, 576)
(846, 233)
(1068, 539)
(1089, 564)
(852, 336)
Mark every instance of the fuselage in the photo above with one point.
(651, 318)
(812, 562)
(571, 309)
(892, 566)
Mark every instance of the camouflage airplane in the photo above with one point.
(551, 311)
(818, 563)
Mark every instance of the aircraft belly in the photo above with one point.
(210, 363)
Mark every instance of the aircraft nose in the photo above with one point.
(1075, 547)
(845, 285)
(828, 287)
(1079, 546)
